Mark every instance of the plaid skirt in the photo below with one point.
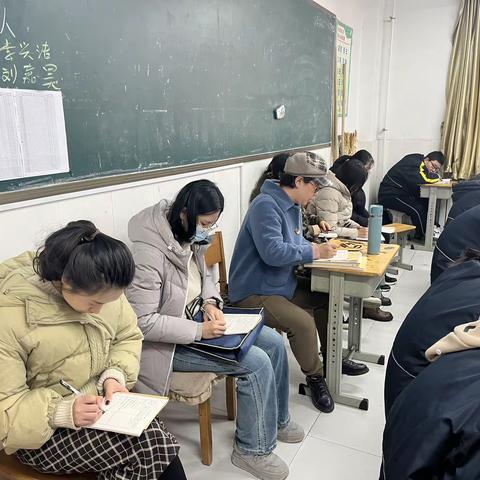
(111, 455)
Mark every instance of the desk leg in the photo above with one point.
(334, 354)
(432, 206)
(402, 241)
(355, 335)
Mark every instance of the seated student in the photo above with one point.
(63, 316)
(452, 300)
(169, 243)
(432, 431)
(465, 196)
(400, 188)
(333, 203)
(269, 247)
(272, 172)
(359, 200)
(459, 234)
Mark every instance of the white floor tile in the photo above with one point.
(318, 459)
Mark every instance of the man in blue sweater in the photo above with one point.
(269, 247)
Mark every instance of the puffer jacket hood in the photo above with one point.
(463, 188)
(151, 227)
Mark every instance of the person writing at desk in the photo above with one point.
(64, 318)
(171, 283)
(269, 247)
(400, 188)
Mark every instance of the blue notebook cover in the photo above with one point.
(229, 347)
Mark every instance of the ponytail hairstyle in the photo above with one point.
(272, 172)
(85, 258)
(201, 197)
(353, 175)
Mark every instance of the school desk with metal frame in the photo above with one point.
(357, 284)
(434, 192)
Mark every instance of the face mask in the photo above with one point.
(200, 234)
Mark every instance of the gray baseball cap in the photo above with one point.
(307, 164)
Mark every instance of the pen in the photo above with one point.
(76, 392)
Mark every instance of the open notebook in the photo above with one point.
(342, 258)
(130, 413)
(241, 323)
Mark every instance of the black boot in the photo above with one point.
(321, 398)
(349, 367)
(386, 302)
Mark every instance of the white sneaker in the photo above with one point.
(291, 433)
(264, 467)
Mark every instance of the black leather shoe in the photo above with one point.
(386, 302)
(385, 287)
(349, 367)
(390, 279)
(321, 398)
(376, 313)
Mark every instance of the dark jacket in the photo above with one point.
(458, 235)
(433, 430)
(269, 246)
(452, 300)
(359, 213)
(404, 178)
(465, 196)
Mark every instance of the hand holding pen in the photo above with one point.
(87, 409)
(214, 324)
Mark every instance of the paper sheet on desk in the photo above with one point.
(241, 323)
(130, 413)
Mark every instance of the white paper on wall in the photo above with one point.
(32, 134)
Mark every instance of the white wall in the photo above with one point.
(412, 110)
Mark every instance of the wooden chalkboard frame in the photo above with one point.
(63, 188)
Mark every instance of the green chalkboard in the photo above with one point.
(150, 84)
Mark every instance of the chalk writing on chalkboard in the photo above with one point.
(25, 63)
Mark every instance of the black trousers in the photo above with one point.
(174, 471)
(415, 208)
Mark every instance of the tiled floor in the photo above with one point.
(342, 445)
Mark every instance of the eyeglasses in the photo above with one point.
(317, 185)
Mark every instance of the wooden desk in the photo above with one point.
(339, 282)
(434, 192)
(400, 238)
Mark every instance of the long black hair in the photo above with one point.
(353, 175)
(363, 155)
(201, 197)
(87, 259)
(273, 171)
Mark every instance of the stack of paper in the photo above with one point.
(342, 258)
(388, 229)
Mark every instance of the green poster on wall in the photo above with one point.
(343, 57)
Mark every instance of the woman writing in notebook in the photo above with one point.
(64, 318)
(171, 283)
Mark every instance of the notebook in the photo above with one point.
(239, 324)
(130, 413)
(342, 258)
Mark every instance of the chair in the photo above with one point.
(196, 388)
(12, 469)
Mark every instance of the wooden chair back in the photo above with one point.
(215, 254)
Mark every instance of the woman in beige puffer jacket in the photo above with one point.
(63, 316)
(333, 204)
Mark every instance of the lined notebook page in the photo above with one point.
(241, 323)
(130, 413)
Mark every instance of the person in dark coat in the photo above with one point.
(458, 235)
(359, 200)
(452, 300)
(465, 196)
(433, 429)
(400, 188)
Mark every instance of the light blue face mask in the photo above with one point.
(201, 234)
